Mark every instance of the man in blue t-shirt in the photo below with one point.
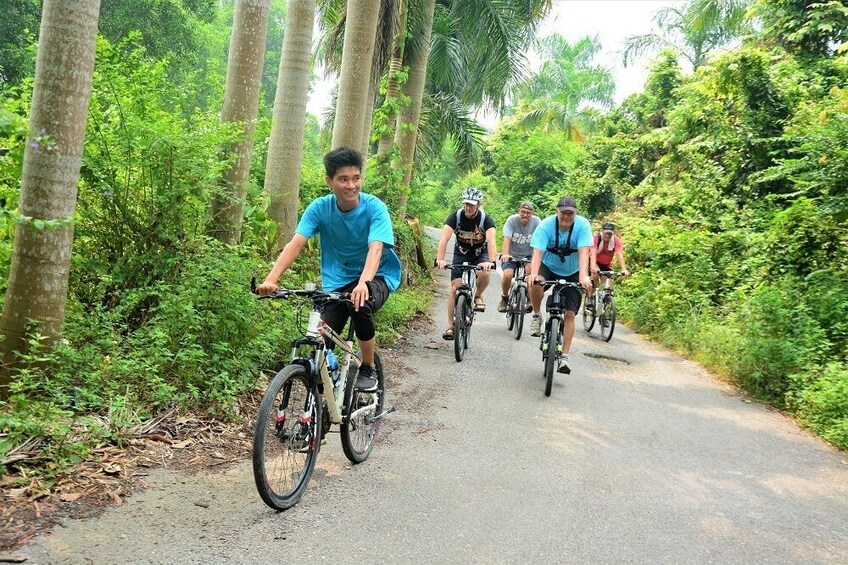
(357, 253)
(561, 246)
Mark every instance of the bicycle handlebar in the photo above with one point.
(611, 274)
(559, 282)
(520, 260)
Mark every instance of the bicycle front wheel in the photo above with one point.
(286, 439)
(608, 312)
(459, 327)
(361, 420)
(552, 339)
(520, 303)
(588, 313)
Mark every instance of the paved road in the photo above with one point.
(638, 456)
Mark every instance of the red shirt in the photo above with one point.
(605, 254)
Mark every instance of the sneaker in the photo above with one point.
(536, 326)
(562, 364)
(502, 306)
(367, 378)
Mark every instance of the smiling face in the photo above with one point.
(346, 185)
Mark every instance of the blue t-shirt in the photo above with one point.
(345, 237)
(545, 236)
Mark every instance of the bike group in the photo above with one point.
(331, 378)
(560, 252)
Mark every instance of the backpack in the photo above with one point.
(480, 223)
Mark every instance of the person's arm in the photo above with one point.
(491, 247)
(281, 265)
(619, 252)
(593, 260)
(505, 252)
(536, 266)
(447, 232)
(372, 262)
(583, 255)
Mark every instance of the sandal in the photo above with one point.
(479, 305)
(448, 335)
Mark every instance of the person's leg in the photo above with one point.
(567, 330)
(536, 293)
(365, 329)
(506, 279)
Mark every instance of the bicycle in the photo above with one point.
(314, 391)
(551, 341)
(518, 298)
(463, 308)
(602, 307)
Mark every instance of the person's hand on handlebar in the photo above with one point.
(536, 279)
(586, 283)
(506, 258)
(267, 288)
(486, 266)
(626, 273)
(441, 264)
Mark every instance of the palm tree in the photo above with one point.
(566, 92)
(241, 104)
(38, 280)
(354, 78)
(475, 57)
(285, 147)
(693, 30)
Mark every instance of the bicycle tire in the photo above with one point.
(520, 311)
(510, 310)
(459, 339)
(589, 315)
(608, 314)
(358, 434)
(284, 452)
(552, 337)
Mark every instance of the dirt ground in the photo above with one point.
(173, 440)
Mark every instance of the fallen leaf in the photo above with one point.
(70, 496)
(182, 444)
(118, 500)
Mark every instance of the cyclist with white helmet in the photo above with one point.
(475, 243)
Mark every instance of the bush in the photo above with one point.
(822, 402)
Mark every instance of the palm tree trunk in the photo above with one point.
(392, 85)
(365, 147)
(407, 131)
(285, 147)
(241, 103)
(355, 76)
(38, 281)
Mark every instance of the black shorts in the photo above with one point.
(470, 258)
(602, 267)
(336, 314)
(570, 297)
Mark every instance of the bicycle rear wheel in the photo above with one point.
(359, 427)
(520, 304)
(608, 312)
(589, 313)
(286, 438)
(552, 338)
(459, 328)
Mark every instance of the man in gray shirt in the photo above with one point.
(516, 245)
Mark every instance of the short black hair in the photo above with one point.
(342, 157)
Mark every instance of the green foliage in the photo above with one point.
(822, 402)
(532, 165)
(21, 20)
(809, 29)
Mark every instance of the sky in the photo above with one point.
(611, 20)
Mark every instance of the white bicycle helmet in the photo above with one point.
(472, 195)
